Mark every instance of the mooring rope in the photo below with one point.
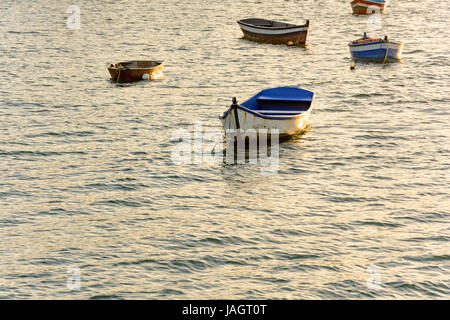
(387, 50)
(298, 39)
(222, 131)
(118, 76)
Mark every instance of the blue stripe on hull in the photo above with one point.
(375, 55)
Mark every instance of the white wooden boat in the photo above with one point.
(376, 49)
(276, 32)
(285, 109)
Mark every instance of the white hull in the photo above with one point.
(378, 50)
(272, 32)
(286, 125)
(391, 45)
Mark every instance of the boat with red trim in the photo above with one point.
(368, 6)
(376, 49)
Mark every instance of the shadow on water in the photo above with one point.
(304, 46)
(256, 150)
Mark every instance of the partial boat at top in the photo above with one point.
(275, 32)
(376, 49)
(368, 6)
(285, 109)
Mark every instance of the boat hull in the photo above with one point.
(367, 7)
(239, 117)
(295, 35)
(125, 74)
(376, 52)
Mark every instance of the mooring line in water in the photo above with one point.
(221, 137)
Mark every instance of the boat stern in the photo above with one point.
(365, 7)
(396, 50)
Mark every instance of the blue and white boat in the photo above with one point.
(376, 49)
(285, 109)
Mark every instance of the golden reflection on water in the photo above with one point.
(87, 177)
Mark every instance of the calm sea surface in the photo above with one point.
(359, 207)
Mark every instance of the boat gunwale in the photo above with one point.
(159, 64)
(351, 44)
(301, 114)
(368, 2)
(287, 27)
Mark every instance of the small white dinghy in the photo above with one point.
(284, 110)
